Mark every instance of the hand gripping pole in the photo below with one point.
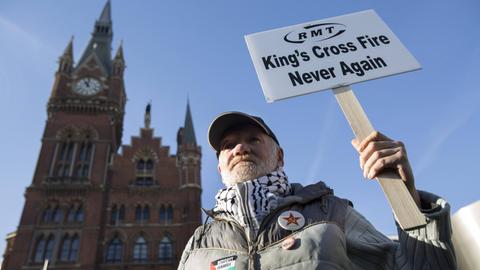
(404, 207)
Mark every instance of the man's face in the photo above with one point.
(246, 153)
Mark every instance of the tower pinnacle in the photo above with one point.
(188, 131)
(65, 62)
(106, 16)
(101, 40)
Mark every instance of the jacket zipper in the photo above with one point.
(253, 245)
(252, 249)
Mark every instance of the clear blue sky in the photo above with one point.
(196, 48)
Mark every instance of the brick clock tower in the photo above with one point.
(91, 206)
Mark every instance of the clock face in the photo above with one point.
(87, 86)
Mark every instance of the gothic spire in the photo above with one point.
(101, 41)
(118, 63)
(68, 53)
(119, 54)
(65, 62)
(188, 131)
(106, 16)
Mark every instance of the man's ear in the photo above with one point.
(280, 157)
(218, 169)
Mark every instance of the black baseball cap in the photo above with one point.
(227, 120)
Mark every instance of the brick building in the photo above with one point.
(91, 206)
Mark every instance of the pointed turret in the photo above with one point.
(68, 53)
(101, 41)
(118, 63)
(188, 131)
(65, 63)
(119, 54)
(189, 154)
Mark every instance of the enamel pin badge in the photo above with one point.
(291, 220)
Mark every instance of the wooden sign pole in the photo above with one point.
(404, 207)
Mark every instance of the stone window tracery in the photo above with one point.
(165, 250)
(142, 214)
(69, 248)
(140, 250)
(117, 214)
(52, 214)
(44, 249)
(64, 161)
(75, 213)
(165, 214)
(145, 160)
(114, 251)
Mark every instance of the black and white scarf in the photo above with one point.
(250, 201)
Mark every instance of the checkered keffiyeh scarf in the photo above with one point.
(250, 201)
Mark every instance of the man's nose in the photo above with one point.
(241, 149)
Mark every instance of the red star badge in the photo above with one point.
(291, 219)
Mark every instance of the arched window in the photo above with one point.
(144, 172)
(71, 214)
(149, 167)
(140, 250)
(142, 214)
(65, 249)
(114, 251)
(121, 214)
(165, 250)
(117, 215)
(85, 151)
(44, 249)
(65, 156)
(114, 215)
(170, 214)
(146, 213)
(162, 214)
(47, 214)
(56, 215)
(74, 154)
(69, 249)
(138, 214)
(39, 250)
(79, 214)
(74, 245)
(49, 248)
(82, 166)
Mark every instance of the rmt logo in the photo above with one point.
(315, 32)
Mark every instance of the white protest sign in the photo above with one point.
(324, 54)
(335, 53)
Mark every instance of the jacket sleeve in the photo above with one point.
(428, 247)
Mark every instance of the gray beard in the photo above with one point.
(245, 171)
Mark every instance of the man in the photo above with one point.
(261, 221)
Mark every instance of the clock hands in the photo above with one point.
(88, 86)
